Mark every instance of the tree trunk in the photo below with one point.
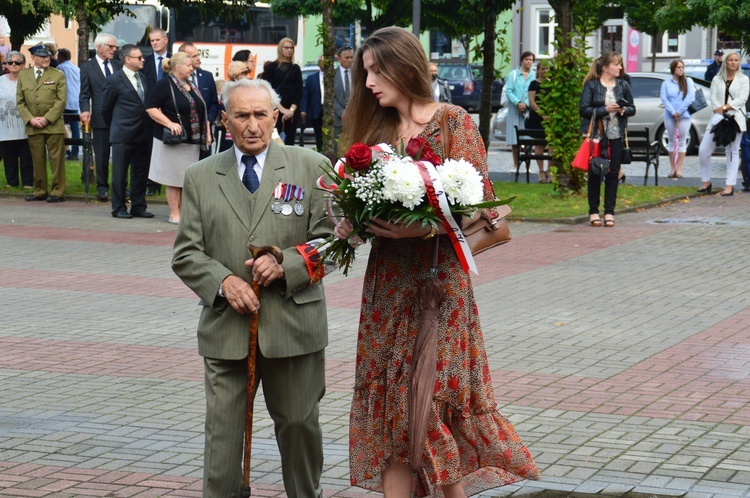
(564, 15)
(329, 144)
(653, 52)
(488, 72)
(83, 33)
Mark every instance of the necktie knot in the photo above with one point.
(250, 177)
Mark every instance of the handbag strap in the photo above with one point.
(627, 145)
(591, 126)
(174, 101)
(445, 133)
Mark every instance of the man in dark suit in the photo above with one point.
(152, 69)
(342, 84)
(226, 203)
(204, 81)
(311, 107)
(129, 133)
(152, 72)
(40, 96)
(93, 74)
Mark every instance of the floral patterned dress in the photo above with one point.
(468, 440)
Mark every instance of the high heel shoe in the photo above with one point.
(731, 192)
(706, 190)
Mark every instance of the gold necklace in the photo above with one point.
(406, 135)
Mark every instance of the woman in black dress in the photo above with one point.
(286, 78)
(534, 121)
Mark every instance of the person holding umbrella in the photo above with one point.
(469, 446)
(677, 93)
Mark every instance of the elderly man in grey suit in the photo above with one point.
(342, 85)
(229, 200)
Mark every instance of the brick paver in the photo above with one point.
(622, 356)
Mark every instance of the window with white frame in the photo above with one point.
(545, 31)
(667, 43)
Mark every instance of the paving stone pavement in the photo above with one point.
(621, 355)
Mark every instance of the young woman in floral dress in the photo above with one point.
(470, 446)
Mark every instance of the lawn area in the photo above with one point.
(535, 200)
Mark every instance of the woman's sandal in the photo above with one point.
(609, 222)
(595, 222)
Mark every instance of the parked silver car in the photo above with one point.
(649, 111)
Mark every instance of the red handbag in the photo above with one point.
(588, 149)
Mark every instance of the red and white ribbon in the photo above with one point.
(439, 202)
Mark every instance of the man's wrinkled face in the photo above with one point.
(41, 62)
(107, 51)
(250, 119)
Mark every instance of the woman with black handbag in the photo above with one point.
(286, 78)
(729, 91)
(181, 128)
(677, 93)
(607, 99)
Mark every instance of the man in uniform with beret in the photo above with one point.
(41, 95)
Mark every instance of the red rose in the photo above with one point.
(415, 146)
(419, 149)
(429, 155)
(359, 157)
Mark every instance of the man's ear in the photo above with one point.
(224, 119)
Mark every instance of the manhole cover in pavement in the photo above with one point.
(697, 221)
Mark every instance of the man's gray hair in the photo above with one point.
(231, 86)
(102, 39)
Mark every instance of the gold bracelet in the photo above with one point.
(433, 232)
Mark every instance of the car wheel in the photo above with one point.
(692, 145)
(663, 138)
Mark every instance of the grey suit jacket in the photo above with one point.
(339, 96)
(218, 218)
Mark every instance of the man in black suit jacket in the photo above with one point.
(129, 133)
(204, 81)
(311, 107)
(152, 72)
(93, 74)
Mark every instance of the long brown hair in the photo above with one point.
(401, 60)
(681, 80)
(607, 58)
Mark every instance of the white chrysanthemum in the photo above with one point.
(402, 182)
(462, 182)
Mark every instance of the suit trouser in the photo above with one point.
(292, 388)
(138, 157)
(100, 140)
(41, 145)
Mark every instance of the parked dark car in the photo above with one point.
(465, 82)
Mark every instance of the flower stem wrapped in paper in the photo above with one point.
(412, 185)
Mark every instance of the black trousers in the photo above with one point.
(317, 126)
(611, 179)
(16, 155)
(289, 127)
(100, 140)
(137, 157)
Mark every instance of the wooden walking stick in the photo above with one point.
(251, 377)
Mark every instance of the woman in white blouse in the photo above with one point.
(729, 90)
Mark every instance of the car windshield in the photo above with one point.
(453, 72)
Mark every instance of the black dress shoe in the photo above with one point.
(151, 190)
(143, 214)
(101, 193)
(727, 194)
(123, 215)
(54, 198)
(35, 198)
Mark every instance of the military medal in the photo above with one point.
(286, 209)
(276, 206)
(299, 194)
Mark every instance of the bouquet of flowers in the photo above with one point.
(378, 182)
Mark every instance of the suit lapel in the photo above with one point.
(271, 176)
(232, 188)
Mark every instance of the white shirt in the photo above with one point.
(100, 61)
(131, 78)
(322, 87)
(258, 168)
